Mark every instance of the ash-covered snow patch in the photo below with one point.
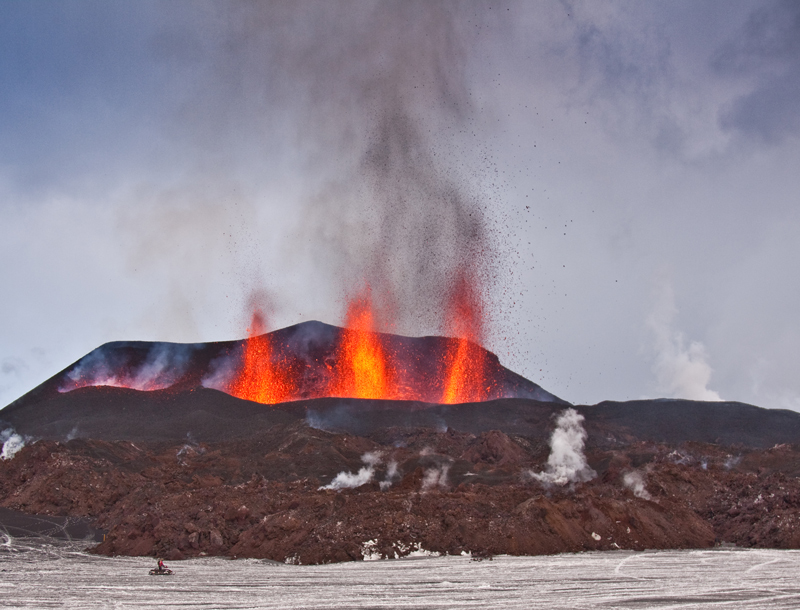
(370, 552)
(566, 463)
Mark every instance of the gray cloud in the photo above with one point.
(765, 52)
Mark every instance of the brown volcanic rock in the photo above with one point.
(496, 449)
(263, 498)
(189, 470)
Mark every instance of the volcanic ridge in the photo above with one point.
(151, 448)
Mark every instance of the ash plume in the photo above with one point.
(380, 94)
(566, 463)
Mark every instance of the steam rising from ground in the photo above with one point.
(435, 477)
(392, 472)
(349, 480)
(634, 481)
(12, 442)
(566, 463)
(682, 371)
(119, 364)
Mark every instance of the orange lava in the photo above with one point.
(465, 376)
(363, 367)
(261, 378)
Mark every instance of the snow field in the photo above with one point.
(48, 574)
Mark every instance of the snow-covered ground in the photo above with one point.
(39, 574)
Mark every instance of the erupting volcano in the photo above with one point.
(368, 364)
(306, 361)
(312, 360)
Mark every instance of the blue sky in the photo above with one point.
(163, 165)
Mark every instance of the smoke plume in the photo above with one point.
(682, 370)
(349, 480)
(392, 472)
(634, 481)
(435, 477)
(121, 364)
(566, 463)
(12, 442)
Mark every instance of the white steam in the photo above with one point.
(435, 477)
(682, 371)
(12, 442)
(110, 365)
(392, 472)
(221, 371)
(566, 463)
(349, 480)
(634, 481)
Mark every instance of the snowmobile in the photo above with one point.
(160, 572)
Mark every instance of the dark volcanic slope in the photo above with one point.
(110, 414)
(678, 421)
(308, 349)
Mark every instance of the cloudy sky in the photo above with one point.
(624, 175)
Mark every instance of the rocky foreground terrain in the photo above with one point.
(148, 443)
(423, 490)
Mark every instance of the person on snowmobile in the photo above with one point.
(161, 566)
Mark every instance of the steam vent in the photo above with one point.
(316, 443)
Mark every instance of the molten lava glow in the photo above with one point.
(364, 364)
(363, 368)
(465, 361)
(261, 378)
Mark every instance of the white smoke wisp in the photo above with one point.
(682, 370)
(222, 371)
(349, 480)
(435, 477)
(109, 365)
(566, 463)
(392, 472)
(12, 443)
(634, 481)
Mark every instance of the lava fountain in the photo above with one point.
(262, 377)
(363, 368)
(466, 378)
